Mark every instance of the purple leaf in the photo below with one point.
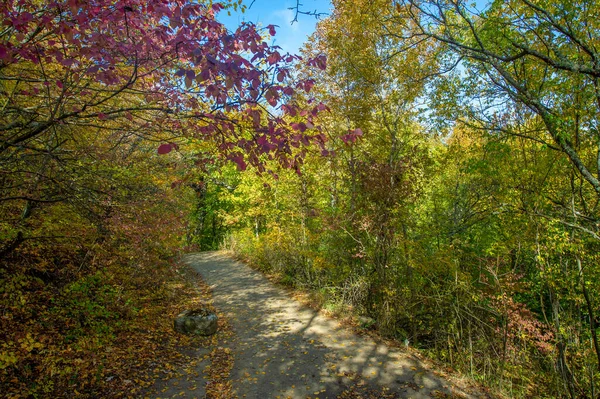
(164, 149)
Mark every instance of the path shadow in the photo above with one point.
(285, 350)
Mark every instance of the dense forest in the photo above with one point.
(432, 166)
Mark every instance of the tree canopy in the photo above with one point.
(431, 167)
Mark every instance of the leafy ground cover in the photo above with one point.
(92, 331)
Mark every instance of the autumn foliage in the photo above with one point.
(429, 166)
(456, 207)
(97, 100)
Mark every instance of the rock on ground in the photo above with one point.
(196, 322)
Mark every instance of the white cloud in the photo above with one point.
(285, 17)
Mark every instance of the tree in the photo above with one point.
(480, 245)
(120, 72)
(525, 58)
(530, 69)
(72, 62)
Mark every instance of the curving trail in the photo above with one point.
(285, 350)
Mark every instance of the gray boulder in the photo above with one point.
(196, 322)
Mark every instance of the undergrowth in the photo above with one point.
(90, 324)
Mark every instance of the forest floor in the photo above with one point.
(272, 346)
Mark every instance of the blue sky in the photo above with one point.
(289, 37)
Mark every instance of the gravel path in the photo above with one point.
(285, 350)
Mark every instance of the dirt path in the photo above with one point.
(285, 350)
